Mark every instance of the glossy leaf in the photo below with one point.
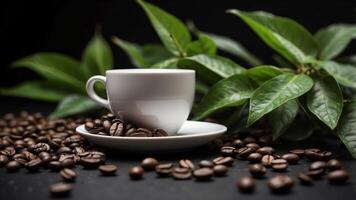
(204, 45)
(97, 56)
(345, 74)
(334, 39)
(169, 63)
(229, 92)
(74, 104)
(34, 90)
(154, 53)
(211, 68)
(282, 117)
(263, 73)
(276, 92)
(284, 35)
(201, 87)
(325, 100)
(57, 68)
(172, 32)
(346, 129)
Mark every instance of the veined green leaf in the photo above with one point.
(333, 39)
(346, 129)
(204, 45)
(154, 53)
(232, 91)
(57, 68)
(201, 87)
(97, 56)
(169, 63)
(74, 104)
(34, 90)
(282, 117)
(172, 32)
(325, 100)
(284, 35)
(211, 68)
(275, 92)
(344, 74)
(263, 73)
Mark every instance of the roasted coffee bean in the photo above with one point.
(279, 164)
(149, 164)
(338, 176)
(107, 170)
(265, 140)
(64, 150)
(227, 151)
(254, 157)
(60, 189)
(90, 163)
(136, 172)
(237, 143)
(267, 160)
(333, 164)
(34, 165)
(164, 170)
(299, 152)
(39, 147)
(313, 154)
(117, 129)
(3, 160)
(203, 174)
(186, 164)
(265, 150)
(305, 179)
(316, 174)
(244, 152)
(220, 170)
(54, 165)
(13, 166)
(67, 163)
(206, 163)
(280, 183)
(246, 184)
(45, 157)
(8, 151)
(317, 165)
(107, 125)
(227, 161)
(159, 133)
(180, 173)
(89, 126)
(254, 146)
(257, 170)
(138, 134)
(68, 174)
(247, 140)
(291, 158)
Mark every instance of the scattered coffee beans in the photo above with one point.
(206, 163)
(220, 170)
(68, 175)
(203, 174)
(181, 173)
(246, 184)
(164, 170)
(108, 170)
(60, 189)
(257, 170)
(305, 179)
(280, 183)
(186, 164)
(338, 176)
(136, 172)
(149, 164)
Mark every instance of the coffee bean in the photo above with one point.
(136, 172)
(254, 157)
(13, 166)
(206, 163)
(247, 140)
(159, 133)
(149, 164)
(313, 154)
(107, 170)
(90, 163)
(254, 146)
(227, 151)
(186, 164)
(68, 174)
(317, 165)
(3, 160)
(291, 158)
(203, 174)
(265, 150)
(333, 164)
(244, 152)
(246, 184)
(305, 179)
(67, 163)
(64, 150)
(267, 160)
(316, 174)
(45, 157)
(180, 173)
(280, 183)
(54, 165)
(107, 125)
(60, 189)
(117, 129)
(138, 134)
(227, 161)
(338, 176)
(279, 164)
(34, 165)
(299, 152)
(265, 140)
(237, 143)
(257, 170)
(164, 170)
(220, 170)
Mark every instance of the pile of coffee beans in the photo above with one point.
(109, 125)
(34, 142)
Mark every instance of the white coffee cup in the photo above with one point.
(151, 98)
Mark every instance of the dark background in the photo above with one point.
(66, 25)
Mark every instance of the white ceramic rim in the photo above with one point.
(150, 71)
(222, 129)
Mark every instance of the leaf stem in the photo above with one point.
(180, 50)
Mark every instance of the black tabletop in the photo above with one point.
(91, 185)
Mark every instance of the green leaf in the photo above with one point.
(282, 117)
(276, 92)
(201, 87)
(263, 73)
(211, 68)
(325, 100)
(284, 35)
(57, 68)
(204, 45)
(34, 90)
(97, 56)
(300, 129)
(169, 63)
(229, 92)
(74, 104)
(282, 62)
(172, 32)
(346, 129)
(154, 53)
(344, 74)
(333, 39)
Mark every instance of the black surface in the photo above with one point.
(91, 185)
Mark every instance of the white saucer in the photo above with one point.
(192, 134)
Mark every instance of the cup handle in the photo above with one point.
(91, 92)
